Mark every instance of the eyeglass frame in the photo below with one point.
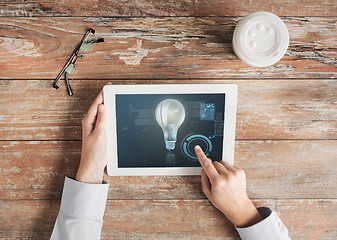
(72, 60)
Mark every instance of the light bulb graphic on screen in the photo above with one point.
(170, 114)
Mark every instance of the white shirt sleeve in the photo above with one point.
(270, 228)
(81, 212)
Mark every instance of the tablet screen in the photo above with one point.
(161, 130)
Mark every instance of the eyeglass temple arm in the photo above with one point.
(70, 61)
(73, 57)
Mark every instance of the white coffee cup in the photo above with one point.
(260, 39)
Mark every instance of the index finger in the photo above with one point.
(206, 163)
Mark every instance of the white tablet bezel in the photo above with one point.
(109, 93)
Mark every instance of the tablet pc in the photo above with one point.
(153, 129)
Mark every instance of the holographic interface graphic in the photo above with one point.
(161, 130)
(196, 139)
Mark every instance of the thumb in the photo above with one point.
(101, 119)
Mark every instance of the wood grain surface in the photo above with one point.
(274, 169)
(286, 131)
(267, 109)
(157, 48)
(13, 8)
(169, 219)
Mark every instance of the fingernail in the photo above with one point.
(197, 147)
(101, 108)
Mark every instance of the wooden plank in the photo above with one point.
(13, 8)
(175, 219)
(181, 47)
(267, 109)
(275, 169)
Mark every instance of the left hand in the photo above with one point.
(94, 156)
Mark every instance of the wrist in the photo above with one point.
(88, 175)
(246, 214)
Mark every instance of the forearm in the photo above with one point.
(270, 227)
(81, 212)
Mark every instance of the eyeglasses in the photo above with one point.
(69, 68)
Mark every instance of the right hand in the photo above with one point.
(225, 186)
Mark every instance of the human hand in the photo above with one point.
(94, 143)
(225, 186)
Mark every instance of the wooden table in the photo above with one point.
(286, 135)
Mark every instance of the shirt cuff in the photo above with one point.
(270, 227)
(84, 200)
